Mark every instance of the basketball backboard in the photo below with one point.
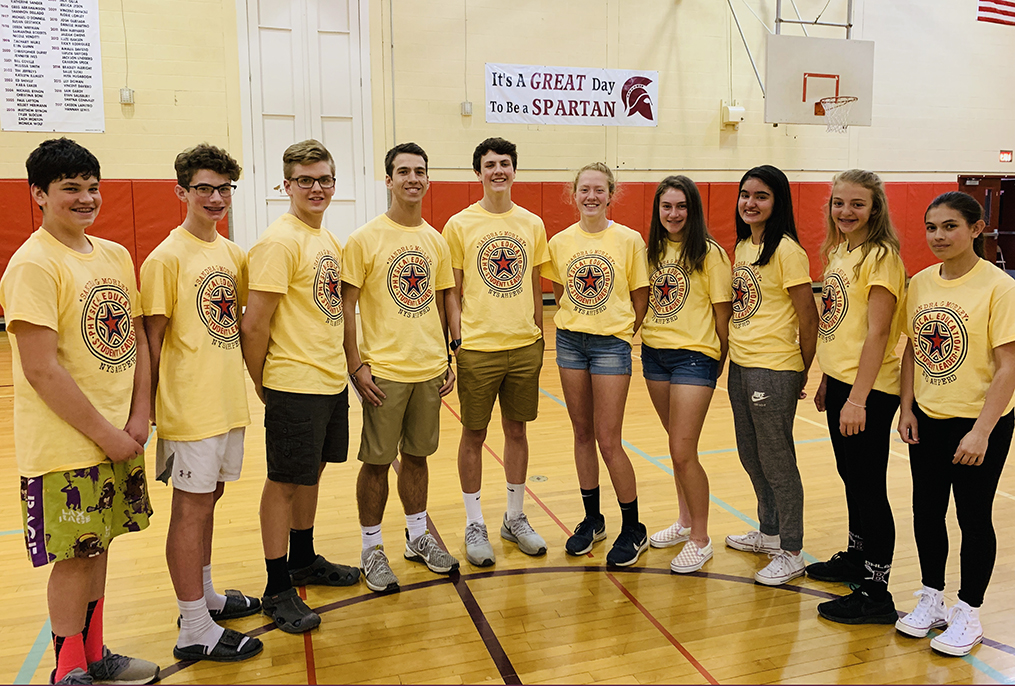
(800, 71)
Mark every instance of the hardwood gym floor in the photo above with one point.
(554, 619)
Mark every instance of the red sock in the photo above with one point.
(70, 654)
(93, 631)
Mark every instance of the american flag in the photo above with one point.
(996, 11)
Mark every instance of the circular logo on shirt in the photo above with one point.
(590, 281)
(746, 294)
(217, 306)
(501, 263)
(106, 323)
(669, 290)
(833, 303)
(328, 287)
(939, 341)
(409, 281)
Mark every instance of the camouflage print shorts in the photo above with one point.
(78, 512)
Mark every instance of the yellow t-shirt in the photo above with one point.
(680, 314)
(496, 253)
(763, 331)
(304, 264)
(201, 287)
(598, 272)
(955, 326)
(842, 314)
(400, 271)
(90, 301)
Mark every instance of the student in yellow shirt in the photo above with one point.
(684, 346)
(193, 286)
(495, 316)
(858, 328)
(81, 406)
(600, 281)
(956, 414)
(397, 269)
(291, 335)
(774, 327)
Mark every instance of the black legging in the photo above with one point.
(934, 476)
(862, 462)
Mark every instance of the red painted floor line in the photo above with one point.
(655, 622)
(648, 615)
(308, 647)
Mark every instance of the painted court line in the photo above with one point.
(34, 657)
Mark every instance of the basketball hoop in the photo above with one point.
(836, 111)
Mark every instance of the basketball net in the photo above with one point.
(836, 111)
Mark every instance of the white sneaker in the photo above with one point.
(755, 542)
(929, 614)
(670, 536)
(478, 550)
(782, 568)
(518, 530)
(963, 633)
(691, 558)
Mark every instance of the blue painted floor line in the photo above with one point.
(34, 657)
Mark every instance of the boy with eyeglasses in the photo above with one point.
(81, 406)
(292, 336)
(193, 286)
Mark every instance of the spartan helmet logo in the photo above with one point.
(635, 96)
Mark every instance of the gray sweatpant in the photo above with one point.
(764, 402)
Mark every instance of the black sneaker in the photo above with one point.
(586, 533)
(859, 608)
(840, 567)
(629, 546)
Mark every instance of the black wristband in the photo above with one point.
(456, 343)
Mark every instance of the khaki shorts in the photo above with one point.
(408, 420)
(78, 513)
(511, 375)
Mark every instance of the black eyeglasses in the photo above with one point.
(307, 182)
(206, 190)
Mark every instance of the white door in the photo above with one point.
(306, 61)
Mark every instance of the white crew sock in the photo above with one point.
(473, 508)
(416, 523)
(371, 536)
(196, 625)
(516, 498)
(215, 601)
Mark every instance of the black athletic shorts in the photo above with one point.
(302, 431)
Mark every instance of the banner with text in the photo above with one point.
(530, 94)
(52, 66)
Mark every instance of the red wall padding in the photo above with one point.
(139, 214)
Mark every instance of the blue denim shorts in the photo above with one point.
(606, 355)
(685, 367)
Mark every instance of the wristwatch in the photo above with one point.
(456, 344)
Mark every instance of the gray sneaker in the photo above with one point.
(426, 550)
(377, 572)
(123, 670)
(518, 530)
(478, 550)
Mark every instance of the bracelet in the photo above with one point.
(862, 407)
(450, 358)
(359, 368)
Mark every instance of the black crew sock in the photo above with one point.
(58, 645)
(301, 548)
(590, 500)
(629, 514)
(875, 583)
(278, 576)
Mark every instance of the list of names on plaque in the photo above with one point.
(52, 66)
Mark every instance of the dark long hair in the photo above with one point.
(781, 222)
(968, 207)
(696, 235)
